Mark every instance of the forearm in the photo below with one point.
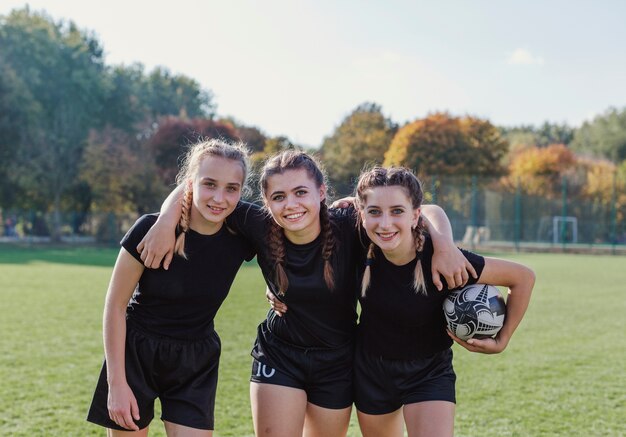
(171, 209)
(516, 306)
(114, 333)
(438, 224)
(520, 281)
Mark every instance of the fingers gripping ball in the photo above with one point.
(476, 311)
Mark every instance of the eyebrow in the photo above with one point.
(299, 187)
(208, 179)
(391, 207)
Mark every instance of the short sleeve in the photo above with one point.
(135, 234)
(477, 261)
(249, 221)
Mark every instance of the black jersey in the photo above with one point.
(181, 302)
(398, 323)
(317, 316)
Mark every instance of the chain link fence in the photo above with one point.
(563, 215)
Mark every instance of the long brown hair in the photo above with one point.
(189, 168)
(277, 164)
(412, 187)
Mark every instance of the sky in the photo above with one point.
(299, 67)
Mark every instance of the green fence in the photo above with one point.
(565, 214)
(562, 214)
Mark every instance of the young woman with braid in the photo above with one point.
(301, 381)
(154, 320)
(403, 373)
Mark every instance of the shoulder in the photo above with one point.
(142, 225)
(343, 217)
(247, 213)
(136, 232)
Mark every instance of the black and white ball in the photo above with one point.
(476, 311)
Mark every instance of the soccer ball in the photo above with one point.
(476, 311)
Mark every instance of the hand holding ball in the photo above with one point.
(476, 311)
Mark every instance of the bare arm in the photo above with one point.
(520, 281)
(448, 260)
(158, 243)
(122, 404)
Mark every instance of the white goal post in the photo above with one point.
(558, 221)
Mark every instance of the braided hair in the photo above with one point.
(278, 164)
(189, 168)
(390, 177)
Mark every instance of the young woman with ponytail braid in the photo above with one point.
(403, 373)
(153, 319)
(301, 381)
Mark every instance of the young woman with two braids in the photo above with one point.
(403, 375)
(302, 381)
(153, 318)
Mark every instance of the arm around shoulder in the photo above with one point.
(158, 244)
(447, 258)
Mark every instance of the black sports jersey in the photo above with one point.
(181, 302)
(398, 323)
(317, 316)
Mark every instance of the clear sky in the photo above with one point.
(298, 67)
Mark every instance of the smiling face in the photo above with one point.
(216, 190)
(388, 218)
(293, 198)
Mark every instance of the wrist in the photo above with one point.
(167, 219)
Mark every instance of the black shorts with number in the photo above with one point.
(382, 385)
(324, 374)
(182, 374)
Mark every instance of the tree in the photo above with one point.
(255, 139)
(62, 68)
(175, 134)
(361, 138)
(18, 112)
(444, 145)
(120, 174)
(542, 136)
(604, 137)
(126, 104)
(176, 95)
(539, 170)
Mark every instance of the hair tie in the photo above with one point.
(369, 262)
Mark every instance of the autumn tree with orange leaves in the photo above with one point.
(441, 144)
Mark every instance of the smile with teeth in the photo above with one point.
(294, 216)
(386, 235)
(216, 209)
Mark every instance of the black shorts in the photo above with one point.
(325, 374)
(382, 386)
(182, 374)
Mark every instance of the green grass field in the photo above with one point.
(562, 374)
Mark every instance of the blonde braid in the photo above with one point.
(367, 274)
(179, 247)
(419, 284)
(328, 246)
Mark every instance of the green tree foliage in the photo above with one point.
(441, 144)
(362, 138)
(176, 95)
(174, 134)
(121, 176)
(603, 137)
(63, 70)
(542, 136)
(18, 112)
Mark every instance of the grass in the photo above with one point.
(562, 374)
